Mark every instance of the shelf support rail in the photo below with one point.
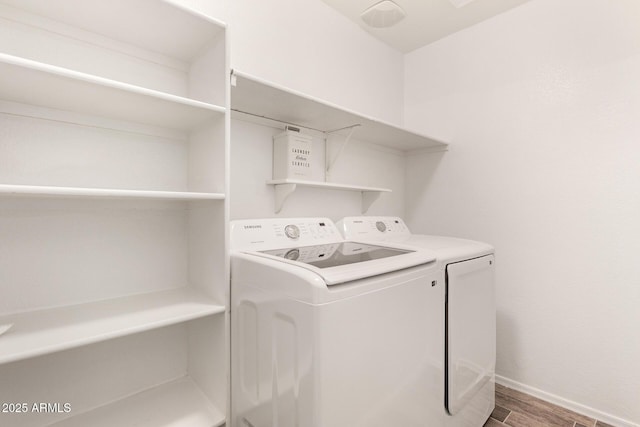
(328, 160)
(282, 192)
(368, 197)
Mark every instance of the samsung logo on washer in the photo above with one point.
(250, 227)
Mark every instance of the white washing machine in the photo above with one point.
(331, 333)
(467, 388)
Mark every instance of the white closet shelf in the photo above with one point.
(98, 193)
(329, 185)
(253, 99)
(285, 187)
(162, 26)
(39, 332)
(31, 82)
(175, 404)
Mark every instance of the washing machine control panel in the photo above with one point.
(292, 231)
(273, 233)
(373, 227)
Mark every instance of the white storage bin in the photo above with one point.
(292, 155)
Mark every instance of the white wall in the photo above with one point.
(307, 46)
(542, 107)
(214, 8)
(359, 164)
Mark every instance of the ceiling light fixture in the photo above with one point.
(382, 15)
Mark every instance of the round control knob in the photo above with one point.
(292, 231)
(381, 226)
(292, 254)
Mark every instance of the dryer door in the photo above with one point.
(471, 330)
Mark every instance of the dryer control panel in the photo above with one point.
(275, 233)
(373, 228)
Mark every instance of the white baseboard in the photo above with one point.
(565, 403)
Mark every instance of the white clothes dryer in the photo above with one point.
(467, 388)
(328, 332)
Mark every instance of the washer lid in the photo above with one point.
(336, 254)
(346, 261)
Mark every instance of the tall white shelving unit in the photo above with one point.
(114, 154)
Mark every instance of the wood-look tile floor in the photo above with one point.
(517, 409)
